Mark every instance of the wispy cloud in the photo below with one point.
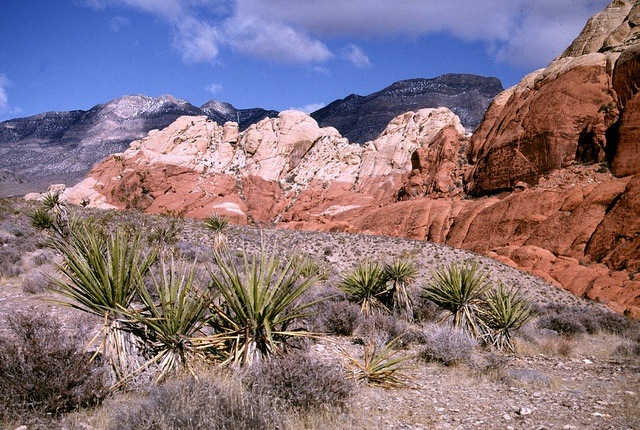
(354, 54)
(274, 41)
(118, 23)
(311, 107)
(213, 88)
(527, 33)
(4, 98)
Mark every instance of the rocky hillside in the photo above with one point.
(63, 146)
(363, 118)
(540, 193)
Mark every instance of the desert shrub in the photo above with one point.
(189, 404)
(425, 310)
(300, 381)
(615, 323)
(10, 262)
(562, 323)
(338, 317)
(447, 345)
(193, 252)
(528, 376)
(492, 366)
(627, 349)
(36, 282)
(572, 320)
(43, 371)
(388, 327)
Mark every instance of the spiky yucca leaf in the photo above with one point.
(217, 224)
(258, 305)
(459, 289)
(507, 310)
(380, 367)
(366, 285)
(41, 219)
(172, 323)
(400, 272)
(100, 275)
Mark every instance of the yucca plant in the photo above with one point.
(308, 268)
(41, 219)
(100, 276)
(381, 367)
(400, 272)
(217, 224)
(259, 305)
(507, 310)
(171, 325)
(459, 289)
(366, 285)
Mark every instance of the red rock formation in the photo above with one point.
(548, 208)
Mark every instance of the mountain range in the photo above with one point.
(61, 147)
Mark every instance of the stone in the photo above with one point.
(523, 411)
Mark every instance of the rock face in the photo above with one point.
(582, 108)
(540, 194)
(273, 170)
(63, 146)
(363, 118)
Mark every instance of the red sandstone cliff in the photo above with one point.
(540, 194)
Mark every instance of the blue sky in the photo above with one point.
(277, 54)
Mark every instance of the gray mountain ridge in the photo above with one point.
(363, 118)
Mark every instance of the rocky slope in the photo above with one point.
(63, 146)
(363, 118)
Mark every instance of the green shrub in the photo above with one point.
(400, 272)
(43, 370)
(259, 307)
(366, 285)
(507, 310)
(459, 289)
(101, 273)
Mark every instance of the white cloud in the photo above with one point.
(213, 88)
(355, 55)
(274, 41)
(197, 41)
(311, 107)
(528, 33)
(4, 98)
(522, 32)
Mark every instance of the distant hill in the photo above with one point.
(362, 118)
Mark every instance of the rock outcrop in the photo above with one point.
(581, 108)
(552, 171)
